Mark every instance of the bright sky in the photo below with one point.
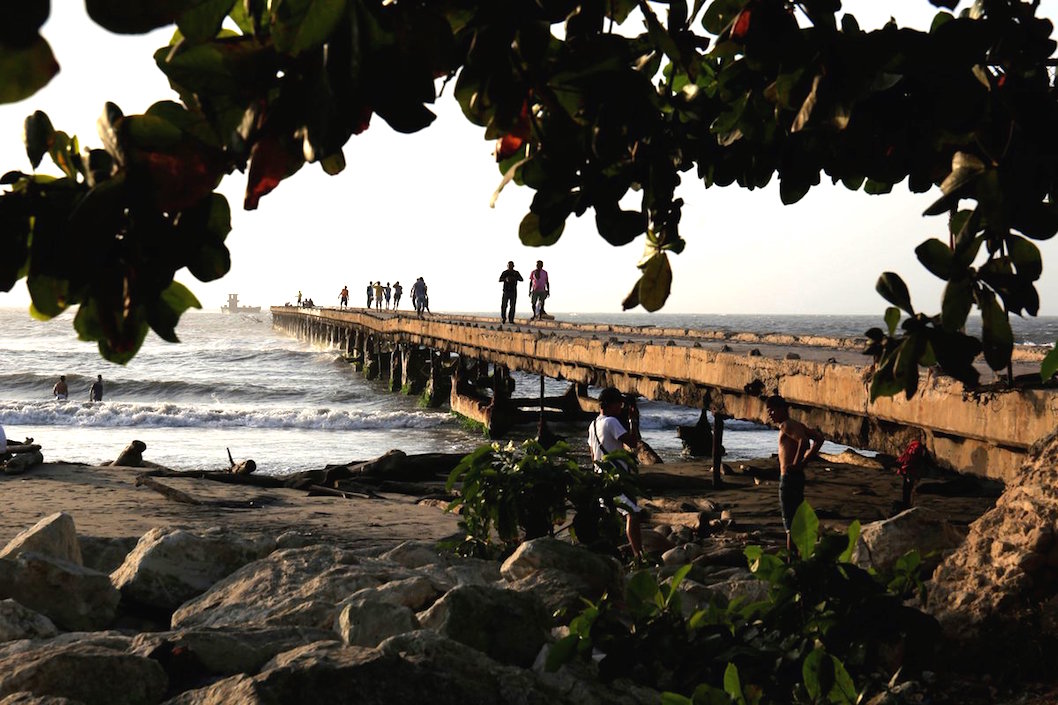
(418, 205)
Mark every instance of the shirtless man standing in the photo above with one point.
(798, 444)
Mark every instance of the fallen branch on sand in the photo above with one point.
(145, 480)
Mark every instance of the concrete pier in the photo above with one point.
(985, 432)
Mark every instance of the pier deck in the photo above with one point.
(985, 431)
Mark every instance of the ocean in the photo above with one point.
(235, 383)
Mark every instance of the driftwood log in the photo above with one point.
(23, 461)
(396, 466)
(166, 491)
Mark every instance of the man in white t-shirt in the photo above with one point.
(606, 435)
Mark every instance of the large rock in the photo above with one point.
(882, 543)
(54, 536)
(231, 650)
(416, 593)
(509, 626)
(105, 553)
(27, 698)
(72, 596)
(295, 587)
(169, 567)
(402, 669)
(369, 622)
(1007, 568)
(599, 573)
(87, 673)
(18, 622)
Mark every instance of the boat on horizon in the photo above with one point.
(233, 306)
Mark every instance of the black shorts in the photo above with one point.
(791, 494)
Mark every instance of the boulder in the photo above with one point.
(131, 456)
(696, 522)
(296, 587)
(87, 673)
(415, 554)
(599, 573)
(509, 626)
(882, 543)
(72, 596)
(53, 536)
(557, 591)
(416, 593)
(104, 553)
(231, 650)
(27, 698)
(18, 622)
(1005, 574)
(402, 669)
(369, 622)
(169, 567)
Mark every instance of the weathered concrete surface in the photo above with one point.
(984, 432)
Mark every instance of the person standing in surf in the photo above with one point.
(96, 391)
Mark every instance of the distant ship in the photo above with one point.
(234, 307)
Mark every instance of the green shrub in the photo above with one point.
(825, 625)
(513, 493)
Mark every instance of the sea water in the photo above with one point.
(233, 383)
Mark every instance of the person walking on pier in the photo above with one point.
(510, 278)
(539, 289)
(418, 296)
(387, 291)
(343, 297)
(378, 296)
(798, 444)
(370, 291)
(397, 291)
(606, 435)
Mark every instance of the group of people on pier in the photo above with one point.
(539, 290)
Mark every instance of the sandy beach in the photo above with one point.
(107, 503)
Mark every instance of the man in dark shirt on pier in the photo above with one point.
(510, 278)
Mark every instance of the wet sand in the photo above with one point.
(106, 502)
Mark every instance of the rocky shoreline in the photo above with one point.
(295, 598)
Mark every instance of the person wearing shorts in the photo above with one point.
(606, 435)
(798, 444)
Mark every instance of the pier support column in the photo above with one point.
(412, 369)
(439, 385)
(718, 449)
(371, 361)
(395, 368)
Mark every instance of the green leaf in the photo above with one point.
(25, 70)
(529, 232)
(844, 690)
(50, 294)
(854, 536)
(165, 313)
(1026, 257)
(561, 652)
(732, 684)
(655, 283)
(720, 14)
(956, 304)
(305, 24)
(817, 672)
(937, 257)
(203, 19)
(135, 16)
(966, 168)
(1050, 364)
(38, 133)
(892, 318)
(997, 339)
(893, 290)
(805, 530)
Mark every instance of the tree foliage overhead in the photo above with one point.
(600, 106)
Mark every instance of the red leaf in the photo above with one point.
(507, 146)
(270, 162)
(741, 26)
